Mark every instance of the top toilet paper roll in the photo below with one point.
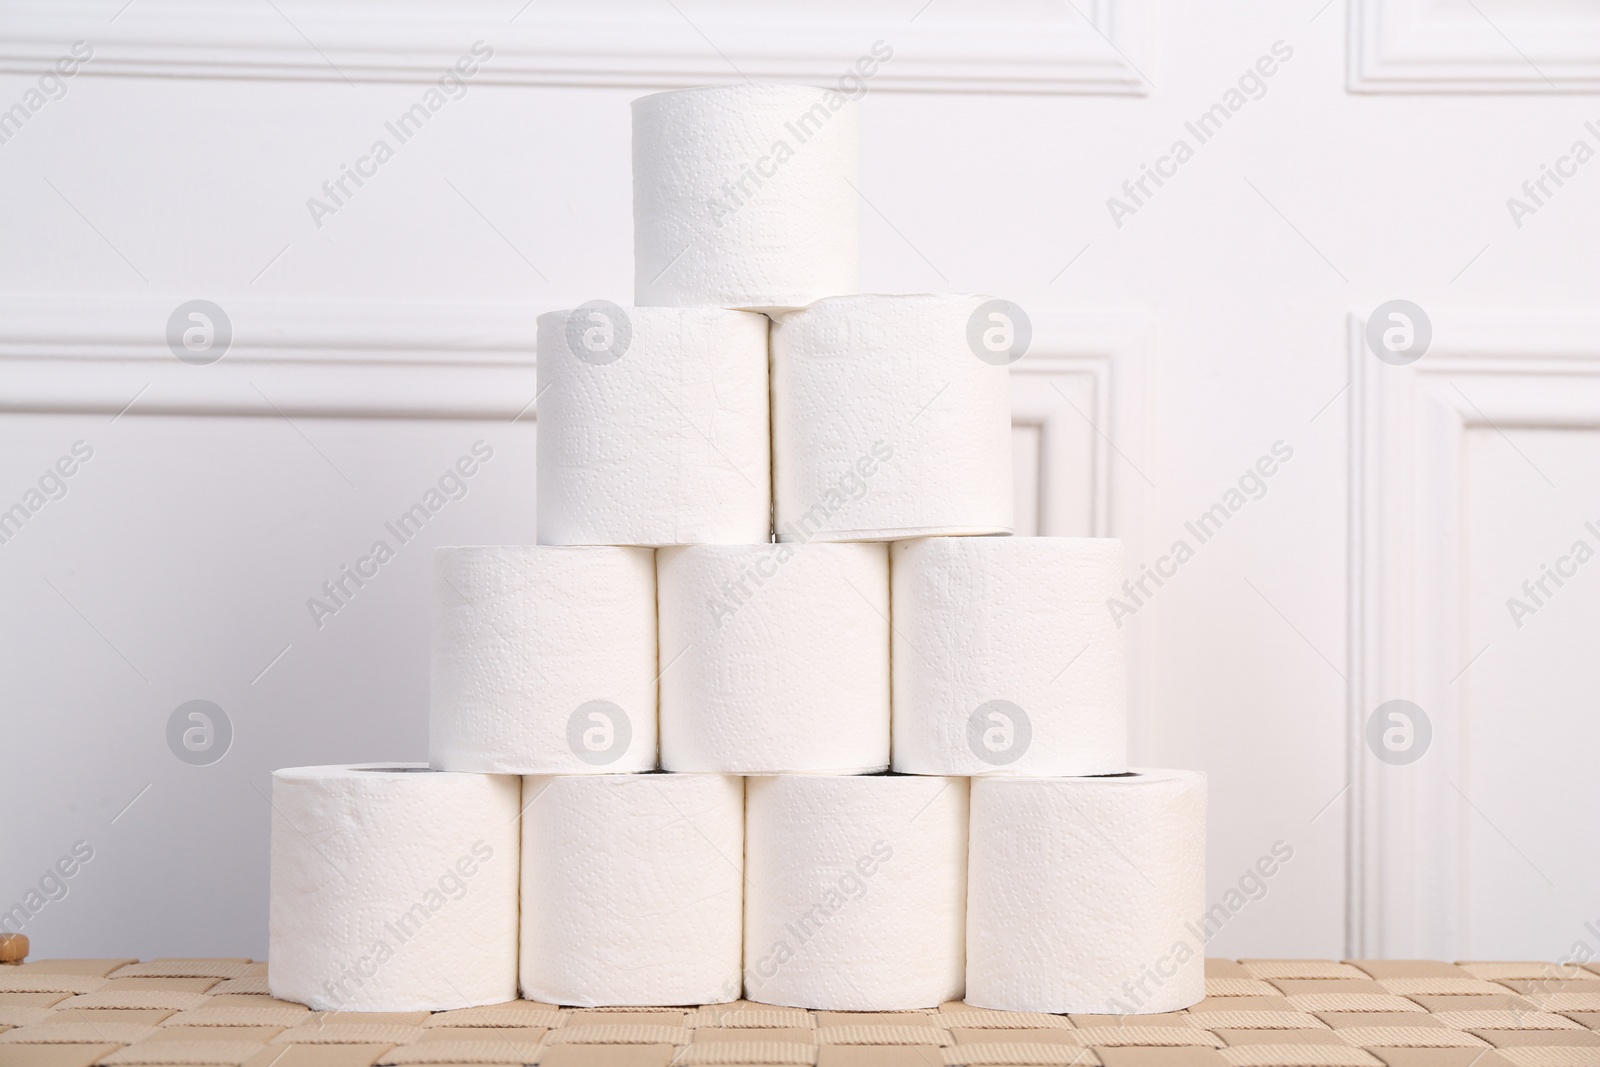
(1006, 660)
(887, 423)
(393, 888)
(653, 427)
(743, 197)
(1085, 894)
(544, 660)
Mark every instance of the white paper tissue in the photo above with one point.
(544, 660)
(1006, 660)
(1085, 894)
(742, 196)
(855, 896)
(632, 889)
(393, 888)
(652, 427)
(886, 423)
(774, 658)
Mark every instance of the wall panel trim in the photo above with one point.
(1094, 46)
(1424, 46)
(1482, 371)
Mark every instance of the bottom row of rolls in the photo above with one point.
(397, 888)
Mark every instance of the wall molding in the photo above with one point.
(1424, 46)
(352, 359)
(1105, 355)
(1095, 47)
(1407, 850)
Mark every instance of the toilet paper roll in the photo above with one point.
(886, 423)
(856, 891)
(1006, 660)
(775, 658)
(742, 196)
(1085, 894)
(632, 889)
(653, 427)
(393, 888)
(544, 660)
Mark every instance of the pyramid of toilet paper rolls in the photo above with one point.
(774, 708)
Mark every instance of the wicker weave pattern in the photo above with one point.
(1257, 1013)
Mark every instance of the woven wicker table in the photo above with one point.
(1257, 1013)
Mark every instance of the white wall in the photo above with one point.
(1220, 318)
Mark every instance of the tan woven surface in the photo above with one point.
(1257, 1013)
